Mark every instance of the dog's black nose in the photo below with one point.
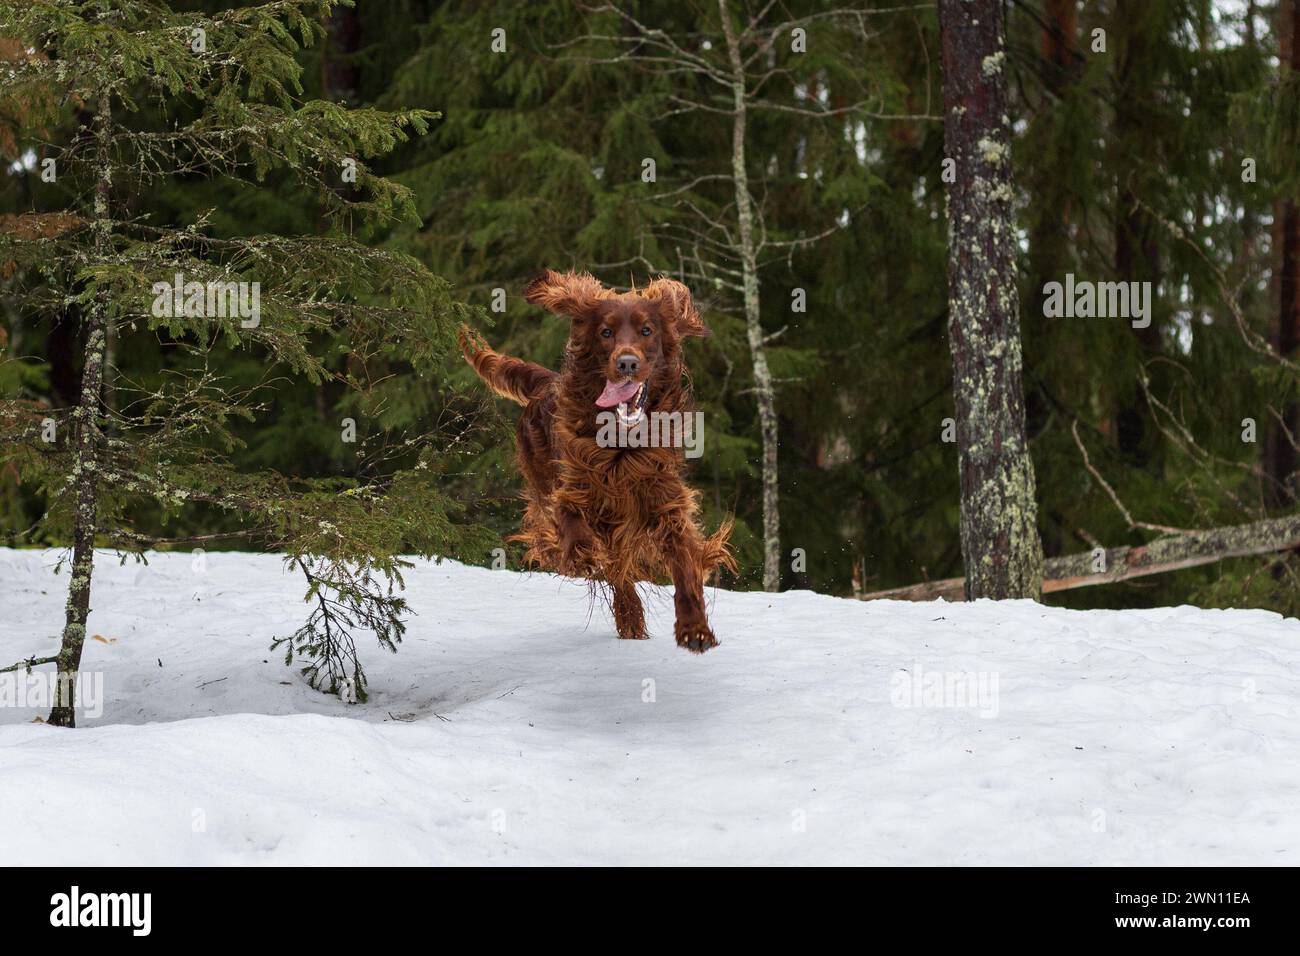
(628, 365)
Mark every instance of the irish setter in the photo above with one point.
(612, 514)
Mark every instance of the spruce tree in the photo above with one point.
(578, 116)
(225, 95)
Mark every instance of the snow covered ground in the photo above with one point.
(510, 728)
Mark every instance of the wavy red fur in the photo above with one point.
(614, 515)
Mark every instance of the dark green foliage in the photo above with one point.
(200, 428)
(535, 161)
(343, 598)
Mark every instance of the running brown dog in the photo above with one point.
(614, 514)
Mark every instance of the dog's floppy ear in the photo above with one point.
(675, 303)
(566, 293)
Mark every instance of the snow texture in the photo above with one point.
(513, 728)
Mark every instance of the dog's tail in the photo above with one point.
(509, 377)
(717, 551)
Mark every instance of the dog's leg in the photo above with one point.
(578, 544)
(685, 556)
(629, 615)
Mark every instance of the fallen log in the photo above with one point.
(1170, 553)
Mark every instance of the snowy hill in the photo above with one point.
(510, 728)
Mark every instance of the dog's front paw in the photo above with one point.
(579, 559)
(580, 555)
(695, 636)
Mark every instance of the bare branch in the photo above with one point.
(28, 664)
(1128, 517)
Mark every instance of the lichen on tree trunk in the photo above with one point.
(999, 535)
(764, 393)
(86, 460)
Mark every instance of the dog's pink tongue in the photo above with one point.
(613, 394)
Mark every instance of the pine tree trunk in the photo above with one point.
(340, 75)
(1281, 453)
(999, 534)
(1137, 250)
(1050, 216)
(764, 393)
(1060, 20)
(86, 456)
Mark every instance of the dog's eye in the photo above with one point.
(606, 333)
(646, 330)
